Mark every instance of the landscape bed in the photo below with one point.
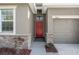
(13, 51)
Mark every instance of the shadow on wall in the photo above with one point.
(77, 31)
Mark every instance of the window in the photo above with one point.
(39, 18)
(7, 24)
(7, 19)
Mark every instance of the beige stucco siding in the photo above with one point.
(63, 11)
(31, 21)
(22, 24)
(30, 26)
(63, 30)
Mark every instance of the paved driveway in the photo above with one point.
(67, 49)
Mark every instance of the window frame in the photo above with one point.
(14, 20)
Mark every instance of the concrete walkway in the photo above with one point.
(38, 48)
(63, 49)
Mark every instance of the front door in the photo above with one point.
(39, 26)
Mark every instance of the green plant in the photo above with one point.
(50, 45)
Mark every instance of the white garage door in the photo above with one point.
(66, 30)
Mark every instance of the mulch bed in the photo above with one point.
(51, 49)
(24, 52)
(12, 51)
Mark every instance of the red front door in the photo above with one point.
(39, 27)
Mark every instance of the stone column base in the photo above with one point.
(49, 38)
(29, 41)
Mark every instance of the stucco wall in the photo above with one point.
(30, 27)
(22, 24)
(54, 26)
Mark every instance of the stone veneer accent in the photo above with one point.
(8, 41)
(49, 38)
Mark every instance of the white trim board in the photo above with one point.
(66, 16)
(7, 6)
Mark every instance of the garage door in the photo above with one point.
(66, 30)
